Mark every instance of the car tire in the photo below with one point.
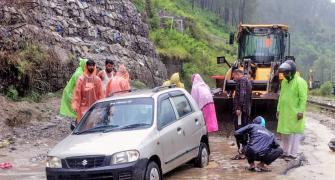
(153, 172)
(202, 159)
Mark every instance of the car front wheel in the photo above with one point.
(203, 157)
(153, 172)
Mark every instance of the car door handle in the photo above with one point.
(178, 129)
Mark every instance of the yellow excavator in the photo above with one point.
(261, 49)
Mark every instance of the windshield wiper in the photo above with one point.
(134, 126)
(98, 128)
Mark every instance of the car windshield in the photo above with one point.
(116, 115)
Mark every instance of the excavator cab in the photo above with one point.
(261, 49)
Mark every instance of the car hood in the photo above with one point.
(99, 143)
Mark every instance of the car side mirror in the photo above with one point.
(231, 38)
(222, 60)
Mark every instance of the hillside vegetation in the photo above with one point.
(203, 38)
(208, 22)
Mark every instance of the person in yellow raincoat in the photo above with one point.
(291, 108)
(175, 79)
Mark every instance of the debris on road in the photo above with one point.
(331, 144)
(295, 163)
(5, 165)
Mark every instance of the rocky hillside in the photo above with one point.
(68, 29)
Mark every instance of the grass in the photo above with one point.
(204, 38)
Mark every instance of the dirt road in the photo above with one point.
(27, 154)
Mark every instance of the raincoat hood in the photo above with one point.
(86, 70)
(122, 72)
(175, 79)
(259, 120)
(82, 63)
(200, 91)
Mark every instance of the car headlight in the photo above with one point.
(125, 157)
(54, 162)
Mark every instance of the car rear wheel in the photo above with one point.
(203, 157)
(153, 172)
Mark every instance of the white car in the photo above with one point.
(135, 135)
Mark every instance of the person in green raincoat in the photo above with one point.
(291, 108)
(65, 107)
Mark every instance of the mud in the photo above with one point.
(32, 141)
(321, 158)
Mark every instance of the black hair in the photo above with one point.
(108, 61)
(90, 62)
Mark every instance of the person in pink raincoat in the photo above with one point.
(203, 96)
(120, 82)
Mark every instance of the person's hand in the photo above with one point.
(277, 115)
(238, 112)
(300, 116)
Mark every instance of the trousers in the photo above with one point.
(290, 144)
(268, 158)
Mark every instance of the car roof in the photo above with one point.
(139, 94)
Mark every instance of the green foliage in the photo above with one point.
(33, 53)
(12, 93)
(35, 96)
(326, 89)
(154, 21)
(140, 5)
(204, 38)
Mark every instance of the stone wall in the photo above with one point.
(95, 29)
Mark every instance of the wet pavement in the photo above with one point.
(28, 160)
(221, 167)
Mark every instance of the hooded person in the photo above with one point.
(87, 91)
(175, 79)
(291, 107)
(65, 107)
(120, 82)
(202, 95)
(261, 144)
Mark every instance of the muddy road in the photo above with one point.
(31, 143)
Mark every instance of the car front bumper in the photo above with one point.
(127, 171)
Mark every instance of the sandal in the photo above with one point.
(262, 169)
(252, 169)
(237, 157)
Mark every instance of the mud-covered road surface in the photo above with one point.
(27, 154)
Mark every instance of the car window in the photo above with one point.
(118, 115)
(166, 113)
(182, 105)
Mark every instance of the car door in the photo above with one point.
(190, 124)
(170, 133)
